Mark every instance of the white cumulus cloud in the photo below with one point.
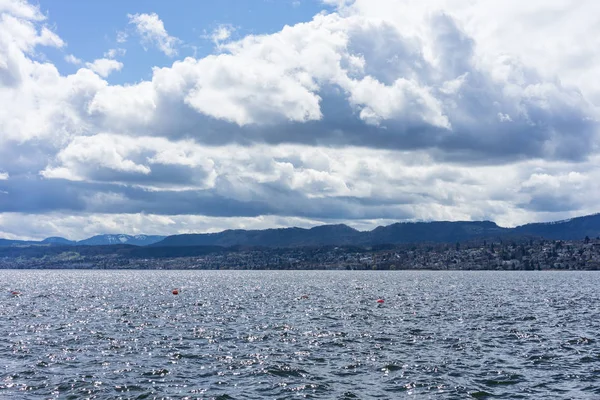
(221, 34)
(381, 111)
(104, 66)
(152, 30)
(113, 53)
(71, 59)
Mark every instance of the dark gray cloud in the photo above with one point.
(552, 203)
(35, 195)
(42, 196)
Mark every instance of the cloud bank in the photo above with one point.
(378, 112)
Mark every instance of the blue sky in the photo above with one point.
(91, 28)
(163, 117)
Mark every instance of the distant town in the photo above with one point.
(518, 254)
(572, 244)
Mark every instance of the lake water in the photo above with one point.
(251, 335)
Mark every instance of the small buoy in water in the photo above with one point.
(175, 291)
(380, 301)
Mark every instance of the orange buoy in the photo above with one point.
(380, 301)
(175, 291)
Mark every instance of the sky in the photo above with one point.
(154, 117)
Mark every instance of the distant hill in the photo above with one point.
(137, 240)
(51, 241)
(58, 241)
(399, 233)
(570, 229)
(343, 235)
(414, 232)
(99, 240)
(284, 237)
(9, 242)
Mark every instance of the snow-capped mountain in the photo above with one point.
(136, 240)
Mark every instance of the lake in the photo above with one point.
(299, 334)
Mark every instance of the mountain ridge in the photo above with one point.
(397, 233)
(97, 240)
(343, 235)
(109, 239)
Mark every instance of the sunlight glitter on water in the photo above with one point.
(251, 334)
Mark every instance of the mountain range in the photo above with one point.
(398, 233)
(343, 235)
(98, 240)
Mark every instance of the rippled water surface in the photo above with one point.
(255, 335)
